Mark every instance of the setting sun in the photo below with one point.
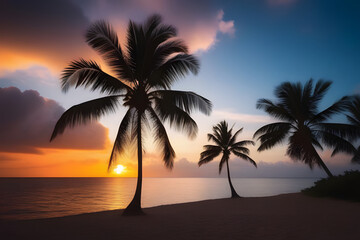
(119, 169)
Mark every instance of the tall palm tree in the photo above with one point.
(354, 119)
(225, 143)
(144, 71)
(303, 124)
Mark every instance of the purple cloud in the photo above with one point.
(27, 120)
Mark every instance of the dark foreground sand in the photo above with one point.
(289, 216)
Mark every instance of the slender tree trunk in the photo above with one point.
(322, 164)
(134, 207)
(233, 192)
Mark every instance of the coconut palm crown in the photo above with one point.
(143, 72)
(225, 144)
(306, 128)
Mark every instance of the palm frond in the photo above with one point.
(289, 95)
(244, 156)
(156, 32)
(103, 38)
(273, 127)
(321, 89)
(353, 120)
(301, 149)
(244, 150)
(356, 157)
(163, 51)
(163, 33)
(269, 140)
(233, 138)
(85, 112)
(338, 107)
(178, 118)
(342, 130)
(211, 152)
(315, 141)
(224, 159)
(212, 148)
(274, 110)
(186, 101)
(307, 91)
(151, 24)
(89, 74)
(136, 47)
(354, 110)
(242, 143)
(338, 143)
(215, 139)
(222, 133)
(162, 138)
(157, 37)
(272, 134)
(136, 127)
(173, 69)
(122, 137)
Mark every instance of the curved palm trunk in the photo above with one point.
(322, 164)
(233, 192)
(134, 208)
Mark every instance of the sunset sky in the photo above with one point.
(246, 48)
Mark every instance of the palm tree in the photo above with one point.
(143, 73)
(225, 143)
(354, 119)
(304, 126)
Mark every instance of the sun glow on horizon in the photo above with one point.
(119, 169)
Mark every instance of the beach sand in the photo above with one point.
(288, 216)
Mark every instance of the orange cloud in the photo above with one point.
(43, 32)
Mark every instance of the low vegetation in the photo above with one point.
(346, 186)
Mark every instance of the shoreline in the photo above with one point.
(284, 216)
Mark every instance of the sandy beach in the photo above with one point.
(288, 216)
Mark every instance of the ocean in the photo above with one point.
(30, 198)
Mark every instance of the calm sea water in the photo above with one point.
(27, 198)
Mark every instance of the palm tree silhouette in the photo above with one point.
(225, 143)
(354, 119)
(297, 108)
(153, 59)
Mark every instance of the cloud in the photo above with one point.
(44, 31)
(27, 121)
(46, 83)
(34, 77)
(198, 22)
(241, 168)
(226, 27)
(51, 33)
(6, 157)
(247, 118)
(202, 34)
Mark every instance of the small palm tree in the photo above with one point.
(225, 143)
(305, 126)
(354, 119)
(153, 59)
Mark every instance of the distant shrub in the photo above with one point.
(345, 186)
